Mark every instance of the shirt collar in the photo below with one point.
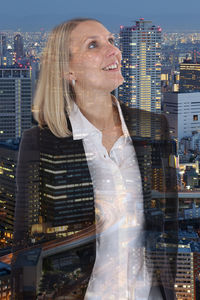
(124, 127)
(81, 127)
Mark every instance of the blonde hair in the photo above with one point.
(54, 93)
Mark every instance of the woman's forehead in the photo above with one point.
(88, 29)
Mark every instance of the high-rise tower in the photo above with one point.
(2, 44)
(141, 68)
(15, 101)
(18, 46)
(8, 161)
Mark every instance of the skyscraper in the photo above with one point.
(141, 68)
(2, 44)
(15, 102)
(3, 47)
(8, 161)
(18, 46)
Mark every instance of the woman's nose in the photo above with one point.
(112, 50)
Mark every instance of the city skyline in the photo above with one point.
(47, 14)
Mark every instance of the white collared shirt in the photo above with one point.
(119, 271)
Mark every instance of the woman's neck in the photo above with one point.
(98, 109)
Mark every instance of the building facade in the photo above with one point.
(15, 102)
(3, 46)
(189, 77)
(141, 68)
(183, 113)
(8, 162)
(18, 45)
(5, 288)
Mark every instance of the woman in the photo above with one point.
(79, 118)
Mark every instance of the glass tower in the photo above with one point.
(141, 67)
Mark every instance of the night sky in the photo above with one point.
(181, 15)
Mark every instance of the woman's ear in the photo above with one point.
(72, 76)
(69, 76)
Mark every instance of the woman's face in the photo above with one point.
(95, 61)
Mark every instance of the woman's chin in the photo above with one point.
(117, 83)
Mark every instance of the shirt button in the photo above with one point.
(104, 156)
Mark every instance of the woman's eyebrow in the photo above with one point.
(110, 35)
(91, 37)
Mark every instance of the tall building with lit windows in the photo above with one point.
(8, 162)
(189, 77)
(15, 102)
(141, 67)
(50, 208)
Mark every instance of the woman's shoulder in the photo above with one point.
(31, 134)
(32, 130)
(38, 139)
(35, 132)
(29, 145)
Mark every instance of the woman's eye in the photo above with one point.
(112, 41)
(92, 45)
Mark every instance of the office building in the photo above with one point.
(57, 190)
(15, 102)
(8, 162)
(9, 58)
(197, 271)
(50, 207)
(191, 178)
(169, 80)
(184, 57)
(193, 212)
(189, 77)
(184, 286)
(141, 68)
(196, 55)
(186, 260)
(3, 46)
(160, 255)
(5, 285)
(18, 46)
(28, 267)
(183, 113)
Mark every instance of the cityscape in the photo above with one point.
(161, 73)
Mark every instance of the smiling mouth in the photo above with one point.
(111, 67)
